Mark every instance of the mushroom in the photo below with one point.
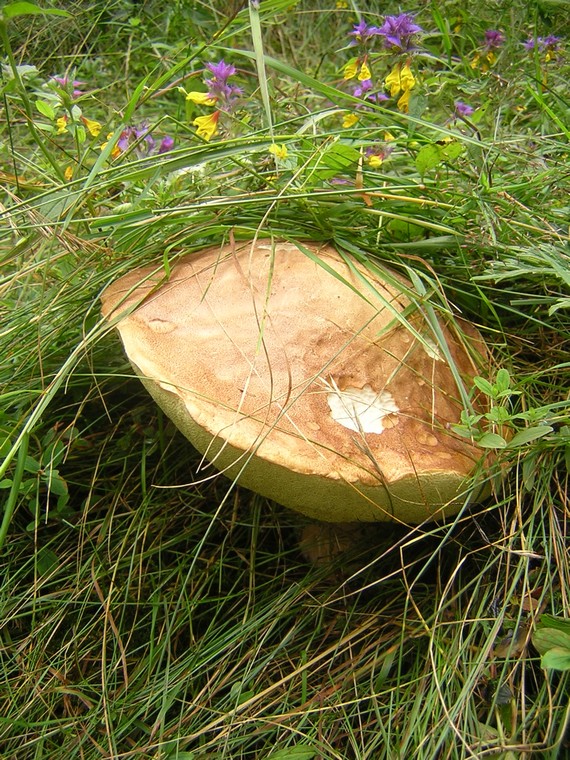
(307, 377)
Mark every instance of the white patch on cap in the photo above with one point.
(360, 409)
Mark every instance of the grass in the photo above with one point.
(146, 615)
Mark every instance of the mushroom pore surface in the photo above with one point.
(308, 377)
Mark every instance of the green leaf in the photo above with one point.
(451, 151)
(559, 623)
(529, 434)
(503, 380)
(492, 441)
(56, 483)
(45, 109)
(428, 158)
(31, 465)
(550, 638)
(484, 386)
(13, 10)
(47, 561)
(557, 658)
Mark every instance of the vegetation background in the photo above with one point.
(147, 614)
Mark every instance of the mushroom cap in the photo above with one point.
(307, 377)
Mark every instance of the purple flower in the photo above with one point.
(221, 70)
(143, 142)
(363, 90)
(549, 43)
(399, 30)
(463, 109)
(218, 88)
(377, 154)
(362, 33)
(493, 39)
(64, 83)
(166, 144)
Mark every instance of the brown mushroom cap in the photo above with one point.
(305, 376)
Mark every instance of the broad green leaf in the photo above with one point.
(559, 623)
(550, 638)
(503, 380)
(557, 658)
(529, 434)
(47, 561)
(31, 465)
(428, 158)
(450, 151)
(45, 109)
(56, 483)
(13, 10)
(492, 441)
(484, 386)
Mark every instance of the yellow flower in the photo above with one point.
(93, 126)
(207, 126)
(365, 72)
(407, 79)
(404, 102)
(375, 161)
(201, 98)
(349, 120)
(388, 137)
(279, 151)
(400, 78)
(61, 124)
(116, 150)
(392, 81)
(351, 69)
(341, 4)
(68, 173)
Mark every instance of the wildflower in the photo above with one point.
(364, 87)
(487, 57)
(116, 150)
(357, 68)
(399, 31)
(547, 45)
(364, 73)
(61, 124)
(207, 126)
(68, 173)
(364, 90)
(166, 144)
(401, 79)
(139, 137)
(404, 101)
(493, 39)
(377, 154)
(463, 109)
(141, 141)
(65, 82)
(351, 69)
(362, 33)
(201, 98)
(349, 120)
(279, 151)
(219, 91)
(93, 127)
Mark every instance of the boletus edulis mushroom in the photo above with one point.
(314, 380)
